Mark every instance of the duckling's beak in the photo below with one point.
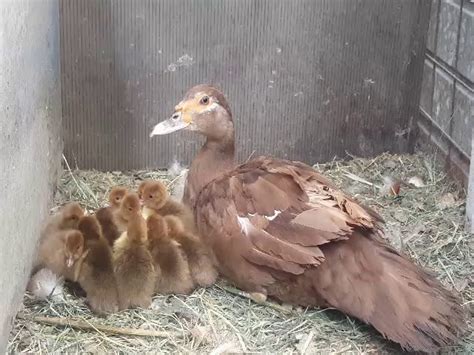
(175, 123)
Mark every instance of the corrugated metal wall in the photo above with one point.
(306, 80)
(447, 98)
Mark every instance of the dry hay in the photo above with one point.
(426, 222)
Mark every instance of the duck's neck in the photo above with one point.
(215, 158)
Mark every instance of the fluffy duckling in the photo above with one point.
(52, 248)
(66, 218)
(167, 255)
(199, 256)
(105, 215)
(96, 274)
(156, 199)
(123, 213)
(133, 263)
(61, 251)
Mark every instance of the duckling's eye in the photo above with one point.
(117, 198)
(204, 100)
(151, 196)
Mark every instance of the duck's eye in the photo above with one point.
(151, 196)
(204, 100)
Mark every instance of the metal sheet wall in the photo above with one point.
(306, 80)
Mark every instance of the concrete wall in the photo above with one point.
(30, 145)
(470, 196)
(447, 98)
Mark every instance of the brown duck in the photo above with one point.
(281, 229)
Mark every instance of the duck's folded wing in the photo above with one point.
(283, 212)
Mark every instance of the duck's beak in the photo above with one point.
(175, 123)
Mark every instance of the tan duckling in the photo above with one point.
(133, 263)
(105, 215)
(200, 260)
(96, 275)
(168, 256)
(156, 199)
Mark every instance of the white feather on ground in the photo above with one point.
(178, 174)
(45, 284)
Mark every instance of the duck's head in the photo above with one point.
(203, 109)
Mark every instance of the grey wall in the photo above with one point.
(30, 148)
(306, 79)
(447, 98)
(470, 196)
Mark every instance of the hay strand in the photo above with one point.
(80, 324)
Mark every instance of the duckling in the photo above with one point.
(105, 215)
(200, 260)
(52, 248)
(60, 252)
(167, 255)
(66, 218)
(133, 263)
(124, 211)
(95, 274)
(156, 199)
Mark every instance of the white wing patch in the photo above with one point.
(245, 225)
(275, 215)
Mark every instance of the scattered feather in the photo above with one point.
(446, 201)
(416, 181)
(45, 284)
(391, 186)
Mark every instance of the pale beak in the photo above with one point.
(173, 124)
(69, 261)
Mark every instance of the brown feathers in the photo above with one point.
(116, 195)
(278, 227)
(74, 247)
(60, 246)
(322, 249)
(169, 258)
(105, 215)
(96, 275)
(133, 262)
(198, 255)
(155, 197)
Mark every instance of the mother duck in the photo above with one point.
(281, 229)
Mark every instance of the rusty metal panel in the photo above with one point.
(307, 80)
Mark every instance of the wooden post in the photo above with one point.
(470, 194)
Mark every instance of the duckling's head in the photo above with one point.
(153, 194)
(116, 195)
(71, 214)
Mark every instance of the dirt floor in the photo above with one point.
(425, 221)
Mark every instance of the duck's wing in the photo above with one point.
(283, 211)
(281, 227)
